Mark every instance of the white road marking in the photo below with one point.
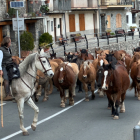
(3, 104)
(44, 120)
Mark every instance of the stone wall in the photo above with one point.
(113, 19)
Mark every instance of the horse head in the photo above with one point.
(84, 54)
(86, 69)
(42, 63)
(62, 72)
(108, 76)
(53, 55)
(69, 56)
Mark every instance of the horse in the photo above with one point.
(135, 75)
(136, 49)
(65, 78)
(53, 56)
(135, 58)
(71, 57)
(45, 82)
(115, 82)
(126, 60)
(85, 56)
(17, 60)
(87, 75)
(23, 88)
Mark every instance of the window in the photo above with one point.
(133, 17)
(127, 19)
(72, 23)
(108, 19)
(118, 21)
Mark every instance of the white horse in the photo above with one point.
(24, 87)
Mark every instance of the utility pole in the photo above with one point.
(99, 17)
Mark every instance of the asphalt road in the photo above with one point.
(84, 121)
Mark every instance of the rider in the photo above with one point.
(5, 58)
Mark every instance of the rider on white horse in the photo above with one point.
(5, 58)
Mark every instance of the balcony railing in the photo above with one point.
(61, 5)
(84, 4)
(116, 2)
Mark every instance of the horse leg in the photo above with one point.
(138, 94)
(80, 86)
(51, 86)
(92, 90)
(116, 117)
(122, 108)
(73, 90)
(62, 95)
(109, 104)
(136, 91)
(36, 109)
(71, 100)
(86, 92)
(46, 90)
(100, 91)
(20, 104)
(38, 92)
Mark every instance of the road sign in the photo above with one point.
(15, 25)
(16, 4)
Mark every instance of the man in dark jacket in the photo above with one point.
(5, 59)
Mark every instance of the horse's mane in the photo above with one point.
(26, 63)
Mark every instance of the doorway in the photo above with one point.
(55, 29)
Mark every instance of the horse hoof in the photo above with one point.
(80, 91)
(122, 111)
(87, 100)
(101, 96)
(116, 117)
(74, 95)
(45, 99)
(25, 134)
(109, 108)
(71, 104)
(136, 96)
(62, 105)
(139, 98)
(33, 128)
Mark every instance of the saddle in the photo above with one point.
(12, 71)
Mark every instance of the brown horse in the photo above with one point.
(135, 58)
(65, 78)
(115, 83)
(87, 75)
(126, 60)
(53, 56)
(135, 75)
(85, 55)
(45, 82)
(99, 52)
(17, 60)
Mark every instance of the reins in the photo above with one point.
(35, 77)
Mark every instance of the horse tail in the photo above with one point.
(132, 86)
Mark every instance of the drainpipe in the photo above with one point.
(99, 17)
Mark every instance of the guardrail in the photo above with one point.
(95, 40)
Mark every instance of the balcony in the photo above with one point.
(61, 5)
(116, 3)
(84, 4)
(31, 10)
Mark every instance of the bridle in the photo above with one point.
(45, 71)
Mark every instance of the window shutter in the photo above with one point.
(72, 23)
(120, 21)
(109, 24)
(117, 21)
(82, 22)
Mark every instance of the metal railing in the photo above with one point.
(92, 41)
(117, 2)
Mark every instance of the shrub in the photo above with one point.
(11, 12)
(27, 41)
(108, 30)
(44, 8)
(45, 38)
(112, 33)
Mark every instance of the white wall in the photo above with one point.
(130, 21)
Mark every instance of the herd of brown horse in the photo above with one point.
(109, 70)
